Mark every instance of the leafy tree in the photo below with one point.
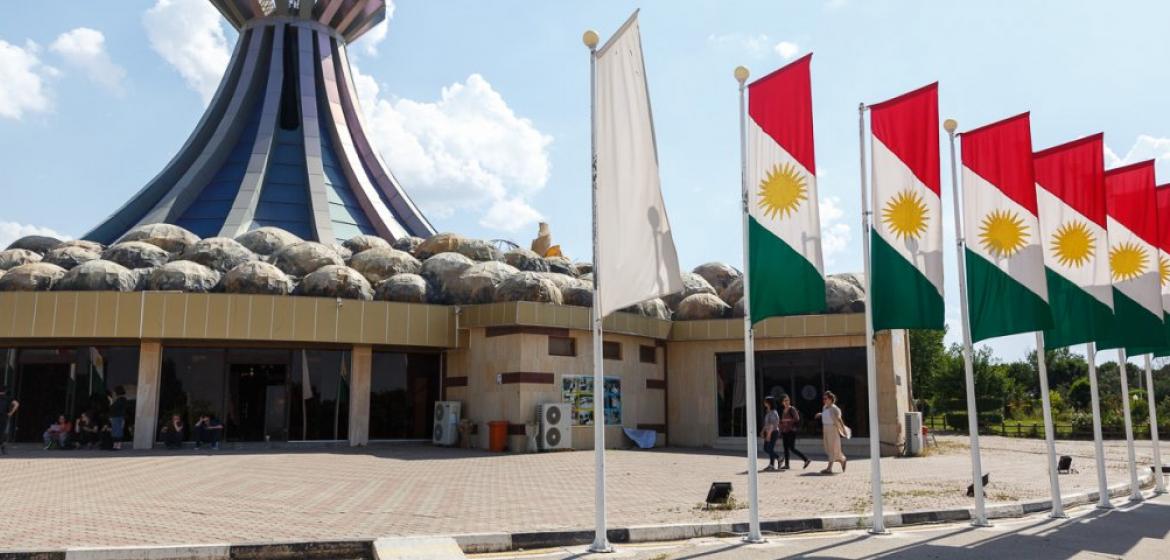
(928, 357)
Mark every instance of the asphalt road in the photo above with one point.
(1137, 531)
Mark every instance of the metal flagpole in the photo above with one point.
(875, 444)
(1049, 431)
(969, 370)
(1098, 445)
(1159, 478)
(600, 537)
(1134, 488)
(749, 346)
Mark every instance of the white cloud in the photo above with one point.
(11, 231)
(835, 236)
(1145, 147)
(467, 151)
(375, 36)
(85, 49)
(787, 49)
(755, 45)
(189, 35)
(22, 80)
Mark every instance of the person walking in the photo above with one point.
(8, 408)
(118, 406)
(789, 425)
(771, 433)
(834, 430)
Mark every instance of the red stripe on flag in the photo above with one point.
(1129, 197)
(1001, 153)
(908, 126)
(1163, 195)
(781, 104)
(1075, 173)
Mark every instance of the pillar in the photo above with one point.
(359, 395)
(146, 407)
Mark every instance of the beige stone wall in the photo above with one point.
(893, 370)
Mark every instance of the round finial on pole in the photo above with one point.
(950, 125)
(590, 39)
(741, 74)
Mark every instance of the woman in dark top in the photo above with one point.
(771, 433)
(118, 406)
(172, 432)
(789, 424)
(87, 431)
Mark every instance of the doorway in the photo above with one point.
(257, 402)
(42, 393)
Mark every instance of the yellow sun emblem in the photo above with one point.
(782, 191)
(1163, 269)
(1128, 260)
(905, 214)
(1003, 233)
(1074, 244)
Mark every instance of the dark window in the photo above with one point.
(403, 391)
(562, 346)
(647, 354)
(611, 350)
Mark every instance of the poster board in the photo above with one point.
(577, 391)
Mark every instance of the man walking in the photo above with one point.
(8, 408)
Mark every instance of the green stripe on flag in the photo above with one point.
(999, 305)
(902, 297)
(1134, 328)
(1077, 316)
(783, 282)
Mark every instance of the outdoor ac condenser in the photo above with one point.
(446, 430)
(555, 421)
(914, 442)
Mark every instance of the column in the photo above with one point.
(146, 407)
(359, 395)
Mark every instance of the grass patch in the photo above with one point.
(732, 504)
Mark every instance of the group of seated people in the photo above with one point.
(84, 433)
(207, 431)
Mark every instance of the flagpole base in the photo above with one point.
(1058, 515)
(757, 539)
(982, 524)
(878, 531)
(602, 547)
(1105, 506)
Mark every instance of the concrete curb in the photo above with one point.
(503, 542)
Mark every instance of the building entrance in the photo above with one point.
(257, 402)
(42, 392)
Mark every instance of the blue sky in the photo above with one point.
(482, 107)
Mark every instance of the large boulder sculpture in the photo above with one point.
(359, 243)
(168, 237)
(39, 244)
(220, 254)
(137, 254)
(256, 277)
(406, 288)
(528, 286)
(98, 276)
(93, 246)
(692, 284)
(31, 277)
(438, 243)
(844, 294)
(336, 281)
(718, 275)
(12, 258)
(478, 250)
(267, 240)
(733, 292)
(702, 306)
(478, 283)
(441, 270)
(379, 263)
(526, 260)
(71, 256)
(341, 250)
(653, 308)
(408, 244)
(562, 265)
(306, 257)
(183, 276)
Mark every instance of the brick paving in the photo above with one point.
(53, 499)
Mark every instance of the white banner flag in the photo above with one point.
(635, 251)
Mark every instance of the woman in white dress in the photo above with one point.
(834, 430)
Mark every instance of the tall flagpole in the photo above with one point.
(1135, 490)
(969, 370)
(749, 346)
(600, 537)
(1098, 445)
(1159, 478)
(1049, 430)
(875, 444)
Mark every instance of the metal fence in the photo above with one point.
(1009, 428)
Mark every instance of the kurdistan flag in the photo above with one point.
(1163, 197)
(1070, 195)
(907, 265)
(784, 230)
(1133, 259)
(1006, 288)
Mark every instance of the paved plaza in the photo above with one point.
(55, 498)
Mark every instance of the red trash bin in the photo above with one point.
(498, 435)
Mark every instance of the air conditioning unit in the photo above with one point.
(555, 421)
(446, 430)
(913, 423)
